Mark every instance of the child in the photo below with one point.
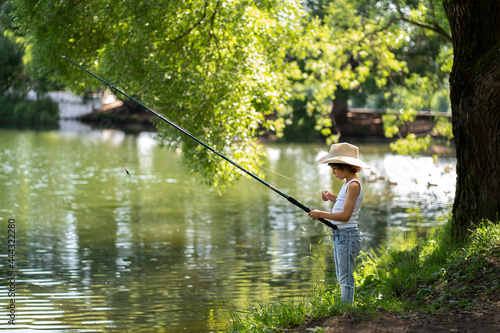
(344, 160)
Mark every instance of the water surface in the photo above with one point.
(97, 250)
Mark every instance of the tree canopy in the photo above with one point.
(213, 67)
(224, 70)
(390, 55)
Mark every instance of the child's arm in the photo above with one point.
(353, 191)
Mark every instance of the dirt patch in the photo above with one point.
(484, 318)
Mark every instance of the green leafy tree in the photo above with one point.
(346, 48)
(11, 53)
(213, 67)
(429, 58)
(381, 54)
(11, 63)
(16, 78)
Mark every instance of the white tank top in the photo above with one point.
(339, 206)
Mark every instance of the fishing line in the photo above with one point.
(97, 120)
(278, 174)
(100, 126)
(102, 130)
(184, 131)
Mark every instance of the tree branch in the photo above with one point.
(434, 27)
(212, 32)
(194, 25)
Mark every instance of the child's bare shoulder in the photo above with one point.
(355, 186)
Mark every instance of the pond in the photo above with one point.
(99, 250)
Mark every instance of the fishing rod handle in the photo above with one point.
(307, 210)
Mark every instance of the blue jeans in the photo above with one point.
(346, 246)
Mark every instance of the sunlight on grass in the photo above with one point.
(427, 274)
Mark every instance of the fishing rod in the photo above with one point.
(289, 198)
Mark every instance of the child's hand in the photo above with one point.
(325, 195)
(314, 214)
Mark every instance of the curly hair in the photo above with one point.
(349, 167)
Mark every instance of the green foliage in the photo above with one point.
(429, 58)
(384, 56)
(435, 273)
(345, 48)
(397, 272)
(225, 70)
(11, 65)
(16, 79)
(394, 121)
(269, 317)
(14, 109)
(484, 237)
(214, 68)
(300, 126)
(411, 144)
(443, 127)
(424, 91)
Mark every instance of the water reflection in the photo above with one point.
(408, 194)
(100, 251)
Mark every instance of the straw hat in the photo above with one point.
(343, 153)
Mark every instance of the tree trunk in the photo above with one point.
(340, 107)
(475, 100)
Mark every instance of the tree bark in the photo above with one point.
(475, 100)
(340, 107)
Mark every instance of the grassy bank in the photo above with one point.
(434, 275)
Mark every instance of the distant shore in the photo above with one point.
(361, 123)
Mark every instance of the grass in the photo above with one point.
(434, 274)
